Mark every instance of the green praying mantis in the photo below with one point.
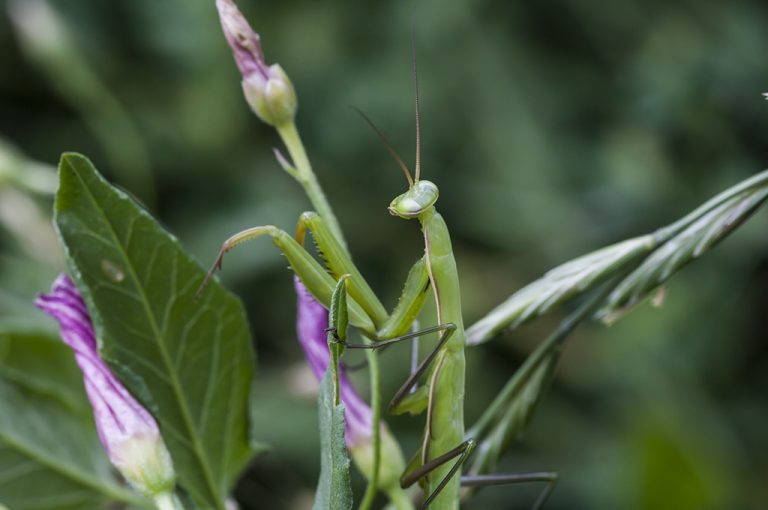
(444, 449)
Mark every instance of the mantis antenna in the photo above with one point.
(389, 147)
(418, 112)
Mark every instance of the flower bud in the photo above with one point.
(127, 431)
(267, 89)
(273, 99)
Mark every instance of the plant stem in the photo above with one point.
(306, 177)
(373, 483)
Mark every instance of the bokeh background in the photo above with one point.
(552, 128)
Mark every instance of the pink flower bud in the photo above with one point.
(267, 89)
(127, 431)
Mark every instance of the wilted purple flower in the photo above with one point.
(311, 325)
(267, 89)
(127, 431)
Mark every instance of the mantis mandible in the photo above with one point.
(442, 394)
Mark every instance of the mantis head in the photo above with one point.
(421, 195)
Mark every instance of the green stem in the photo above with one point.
(373, 483)
(306, 177)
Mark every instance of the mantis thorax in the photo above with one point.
(413, 203)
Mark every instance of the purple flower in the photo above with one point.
(127, 431)
(311, 325)
(267, 89)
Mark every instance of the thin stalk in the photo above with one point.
(306, 177)
(373, 483)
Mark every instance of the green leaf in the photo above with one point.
(189, 362)
(50, 455)
(334, 490)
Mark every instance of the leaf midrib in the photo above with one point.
(175, 383)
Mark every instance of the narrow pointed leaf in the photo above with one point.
(513, 421)
(558, 286)
(333, 488)
(189, 362)
(692, 242)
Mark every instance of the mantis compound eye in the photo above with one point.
(420, 197)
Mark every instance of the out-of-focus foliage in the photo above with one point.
(49, 468)
(552, 128)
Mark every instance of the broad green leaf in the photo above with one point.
(333, 489)
(50, 455)
(189, 362)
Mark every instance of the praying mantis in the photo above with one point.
(444, 447)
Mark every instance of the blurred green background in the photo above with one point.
(552, 128)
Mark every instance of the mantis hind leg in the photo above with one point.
(461, 453)
(547, 477)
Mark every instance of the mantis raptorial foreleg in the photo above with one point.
(319, 283)
(365, 310)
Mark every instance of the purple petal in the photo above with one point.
(119, 417)
(245, 43)
(311, 323)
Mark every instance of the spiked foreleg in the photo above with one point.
(314, 277)
(339, 263)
